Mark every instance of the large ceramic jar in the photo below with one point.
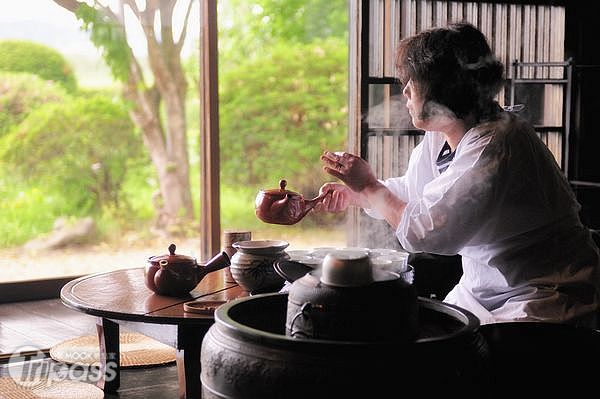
(247, 354)
(252, 265)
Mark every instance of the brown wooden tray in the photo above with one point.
(202, 306)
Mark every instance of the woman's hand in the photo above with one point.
(352, 170)
(362, 188)
(338, 197)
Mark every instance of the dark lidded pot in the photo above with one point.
(336, 301)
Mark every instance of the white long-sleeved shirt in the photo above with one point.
(505, 206)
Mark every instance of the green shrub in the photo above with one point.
(20, 93)
(25, 211)
(83, 147)
(279, 112)
(34, 58)
(237, 208)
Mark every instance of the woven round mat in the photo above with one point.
(136, 350)
(44, 389)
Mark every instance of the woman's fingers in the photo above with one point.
(336, 202)
(335, 160)
(349, 168)
(328, 188)
(329, 166)
(336, 163)
(325, 191)
(333, 172)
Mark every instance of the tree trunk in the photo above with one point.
(166, 141)
(168, 152)
(171, 85)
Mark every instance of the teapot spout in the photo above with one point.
(217, 262)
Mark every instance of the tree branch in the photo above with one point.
(159, 54)
(134, 8)
(166, 26)
(70, 5)
(179, 43)
(107, 11)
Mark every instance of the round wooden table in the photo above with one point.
(120, 298)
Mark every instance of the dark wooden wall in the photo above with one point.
(535, 31)
(581, 43)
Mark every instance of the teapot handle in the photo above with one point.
(305, 313)
(312, 202)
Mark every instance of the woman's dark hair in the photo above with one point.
(452, 66)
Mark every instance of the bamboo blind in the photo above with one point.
(528, 33)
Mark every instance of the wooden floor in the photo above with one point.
(42, 324)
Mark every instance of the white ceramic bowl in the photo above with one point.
(298, 253)
(394, 262)
(321, 252)
(346, 269)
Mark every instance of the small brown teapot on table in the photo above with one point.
(281, 206)
(177, 275)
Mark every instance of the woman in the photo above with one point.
(480, 184)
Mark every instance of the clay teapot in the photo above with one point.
(177, 275)
(281, 206)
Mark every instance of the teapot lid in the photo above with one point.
(281, 190)
(172, 257)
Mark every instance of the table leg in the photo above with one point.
(189, 344)
(110, 361)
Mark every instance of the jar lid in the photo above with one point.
(260, 247)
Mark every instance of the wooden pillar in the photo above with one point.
(210, 222)
(358, 61)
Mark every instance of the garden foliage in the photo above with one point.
(68, 151)
(279, 112)
(82, 147)
(37, 59)
(20, 93)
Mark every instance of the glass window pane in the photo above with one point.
(103, 155)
